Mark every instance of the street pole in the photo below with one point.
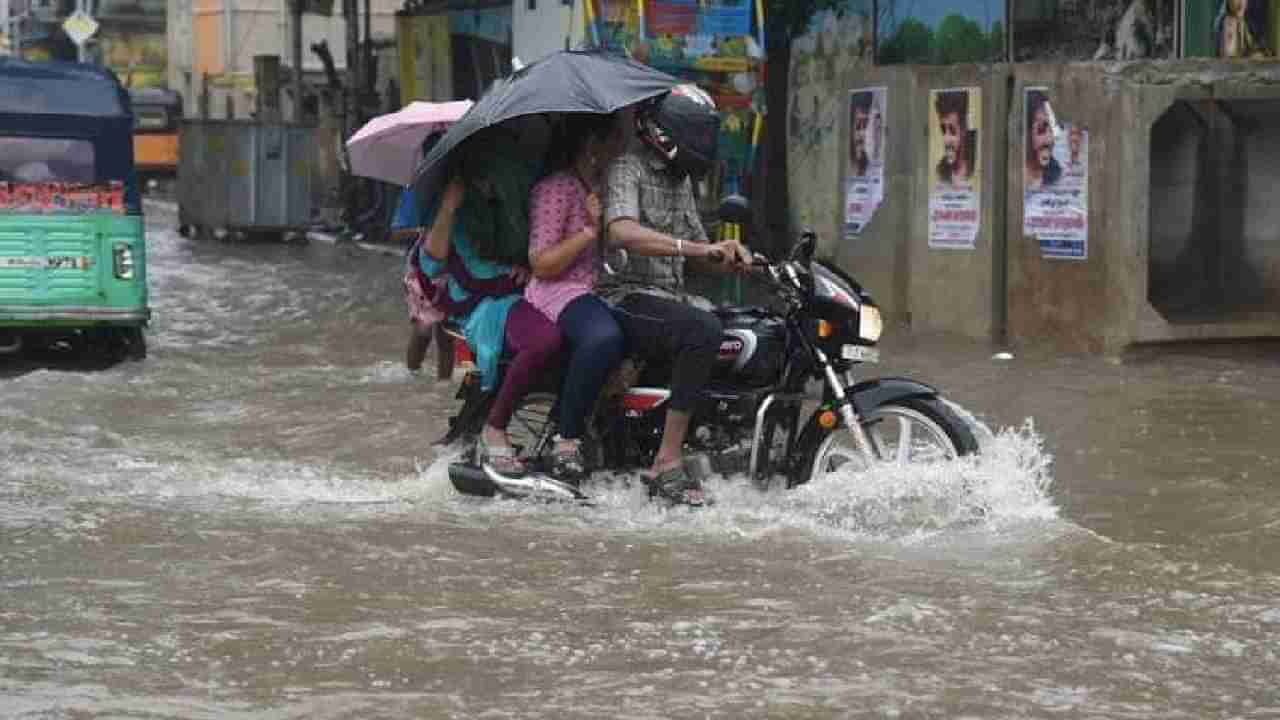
(15, 40)
(351, 13)
(228, 46)
(296, 7)
(351, 9)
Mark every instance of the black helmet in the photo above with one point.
(683, 127)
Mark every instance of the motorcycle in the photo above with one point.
(821, 327)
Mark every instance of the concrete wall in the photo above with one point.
(1080, 304)
(958, 290)
(1182, 232)
(953, 290)
(880, 256)
(824, 63)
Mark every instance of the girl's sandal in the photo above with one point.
(567, 463)
(501, 460)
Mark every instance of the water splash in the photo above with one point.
(1007, 483)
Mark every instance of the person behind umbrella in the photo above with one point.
(564, 233)
(485, 299)
(651, 212)
(406, 226)
(498, 169)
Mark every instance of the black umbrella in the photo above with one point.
(568, 81)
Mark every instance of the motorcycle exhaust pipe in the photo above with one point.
(471, 480)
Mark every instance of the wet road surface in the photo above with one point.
(253, 523)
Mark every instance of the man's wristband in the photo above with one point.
(679, 247)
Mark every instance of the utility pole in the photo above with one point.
(13, 26)
(366, 58)
(351, 13)
(296, 7)
(351, 114)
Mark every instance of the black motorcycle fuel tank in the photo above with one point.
(752, 349)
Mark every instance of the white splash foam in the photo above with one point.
(1007, 483)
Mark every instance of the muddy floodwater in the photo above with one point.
(253, 523)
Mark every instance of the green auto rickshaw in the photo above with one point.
(73, 265)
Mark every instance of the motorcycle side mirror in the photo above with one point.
(735, 209)
(803, 250)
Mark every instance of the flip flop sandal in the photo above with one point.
(677, 487)
(500, 460)
(568, 466)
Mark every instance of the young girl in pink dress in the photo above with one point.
(564, 237)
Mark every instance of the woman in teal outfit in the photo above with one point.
(485, 299)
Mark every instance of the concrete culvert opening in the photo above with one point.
(1214, 254)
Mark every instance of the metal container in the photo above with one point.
(244, 176)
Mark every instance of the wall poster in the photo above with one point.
(955, 201)
(1055, 180)
(864, 181)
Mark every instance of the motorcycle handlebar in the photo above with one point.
(756, 260)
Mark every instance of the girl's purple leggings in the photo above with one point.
(534, 341)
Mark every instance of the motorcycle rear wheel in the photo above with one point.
(910, 430)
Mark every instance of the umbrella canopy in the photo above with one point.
(569, 81)
(389, 147)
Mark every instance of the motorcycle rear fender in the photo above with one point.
(871, 394)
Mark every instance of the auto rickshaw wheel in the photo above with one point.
(135, 343)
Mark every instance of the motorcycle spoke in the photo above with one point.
(898, 434)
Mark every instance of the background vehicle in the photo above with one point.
(157, 113)
(72, 248)
(822, 326)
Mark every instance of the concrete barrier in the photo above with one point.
(957, 288)
(1163, 228)
(1182, 241)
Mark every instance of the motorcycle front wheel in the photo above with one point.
(909, 430)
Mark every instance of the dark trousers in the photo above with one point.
(595, 343)
(666, 331)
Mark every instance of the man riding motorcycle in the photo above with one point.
(650, 211)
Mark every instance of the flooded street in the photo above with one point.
(252, 523)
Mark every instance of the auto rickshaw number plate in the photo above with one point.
(52, 262)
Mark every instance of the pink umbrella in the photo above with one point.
(389, 147)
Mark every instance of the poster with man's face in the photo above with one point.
(864, 184)
(1055, 178)
(955, 183)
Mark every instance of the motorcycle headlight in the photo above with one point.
(870, 323)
